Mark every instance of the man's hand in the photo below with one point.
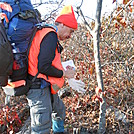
(69, 73)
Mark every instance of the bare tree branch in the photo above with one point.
(84, 20)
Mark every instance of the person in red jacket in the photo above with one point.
(46, 108)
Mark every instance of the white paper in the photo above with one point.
(68, 63)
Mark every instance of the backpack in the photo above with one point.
(20, 32)
(6, 57)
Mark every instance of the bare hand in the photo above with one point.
(69, 73)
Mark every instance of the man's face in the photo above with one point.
(64, 32)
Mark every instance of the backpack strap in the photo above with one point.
(34, 78)
(33, 34)
(29, 45)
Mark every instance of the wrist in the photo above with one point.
(64, 73)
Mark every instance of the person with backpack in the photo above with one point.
(44, 60)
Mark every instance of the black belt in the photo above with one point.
(36, 84)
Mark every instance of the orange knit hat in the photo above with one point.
(67, 17)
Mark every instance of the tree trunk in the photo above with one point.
(96, 38)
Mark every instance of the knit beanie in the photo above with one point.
(67, 17)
